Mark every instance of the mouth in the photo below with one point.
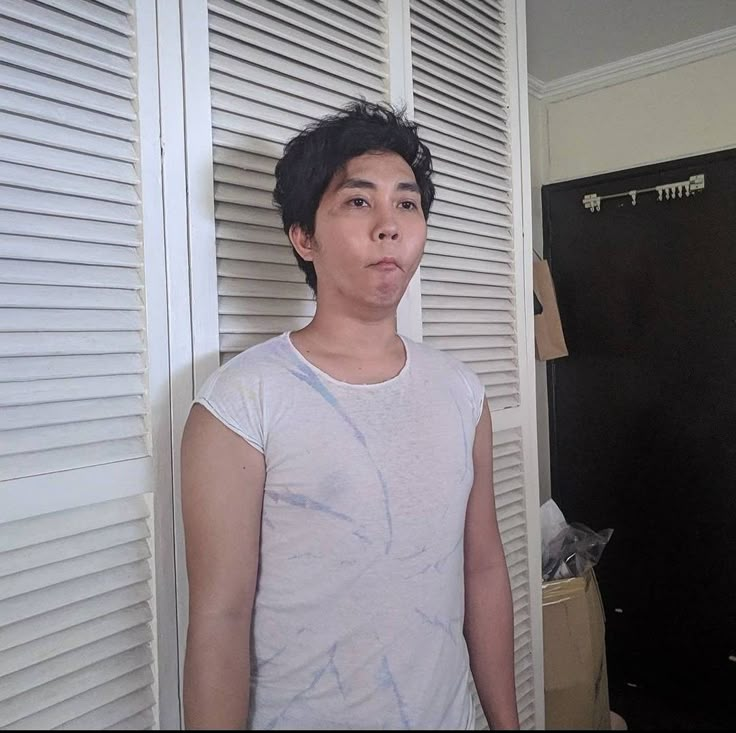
(387, 263)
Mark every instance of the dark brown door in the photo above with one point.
(643, 417)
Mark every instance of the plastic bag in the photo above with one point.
(568, 550)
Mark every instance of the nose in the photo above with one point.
(386, 226)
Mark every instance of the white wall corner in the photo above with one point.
(536, 87)
(635, 67)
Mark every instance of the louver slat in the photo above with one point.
(83, 691)
(116, 714)
(508, 477)
(62, 21)
(75, 617)
(71, 257)
(460, 99)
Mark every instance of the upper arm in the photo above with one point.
(483, 547)
(222, 486)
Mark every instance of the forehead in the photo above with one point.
(375, 166)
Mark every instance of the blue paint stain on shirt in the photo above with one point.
(385, 679)
(445, 624)
(330, 665)
(440, 564)
(387, 508)
(307, 375)
(465, 441)
(304, 502)
(362, 536)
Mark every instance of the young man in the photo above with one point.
(345, 566)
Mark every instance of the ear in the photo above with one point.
(302, 242)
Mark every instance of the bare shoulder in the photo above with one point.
(208, 439)
(222, 485)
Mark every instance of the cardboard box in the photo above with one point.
(575, 674)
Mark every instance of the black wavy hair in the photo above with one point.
(323, 148)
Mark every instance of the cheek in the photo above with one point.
(418, 237)
(343, 254)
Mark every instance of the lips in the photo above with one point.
(387, 263)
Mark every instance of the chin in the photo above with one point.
(384, 296)
(388, 298)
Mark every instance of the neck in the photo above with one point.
(342, 332)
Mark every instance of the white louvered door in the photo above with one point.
(473, 285)
(82, 360)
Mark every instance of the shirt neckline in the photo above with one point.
(286, 336)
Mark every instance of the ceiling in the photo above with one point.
(568, 36)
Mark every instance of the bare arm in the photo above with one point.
(222, 497)
(489, 623)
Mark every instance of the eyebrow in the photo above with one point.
(363, 183)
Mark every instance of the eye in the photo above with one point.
(358, 202)
(408, 205)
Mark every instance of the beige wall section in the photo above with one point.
(684, 111)
(687, 110)
(538, 150)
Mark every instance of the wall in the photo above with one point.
(684, 111)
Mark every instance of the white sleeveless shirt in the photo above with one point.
(359, 607)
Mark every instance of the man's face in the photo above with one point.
(370, 231)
